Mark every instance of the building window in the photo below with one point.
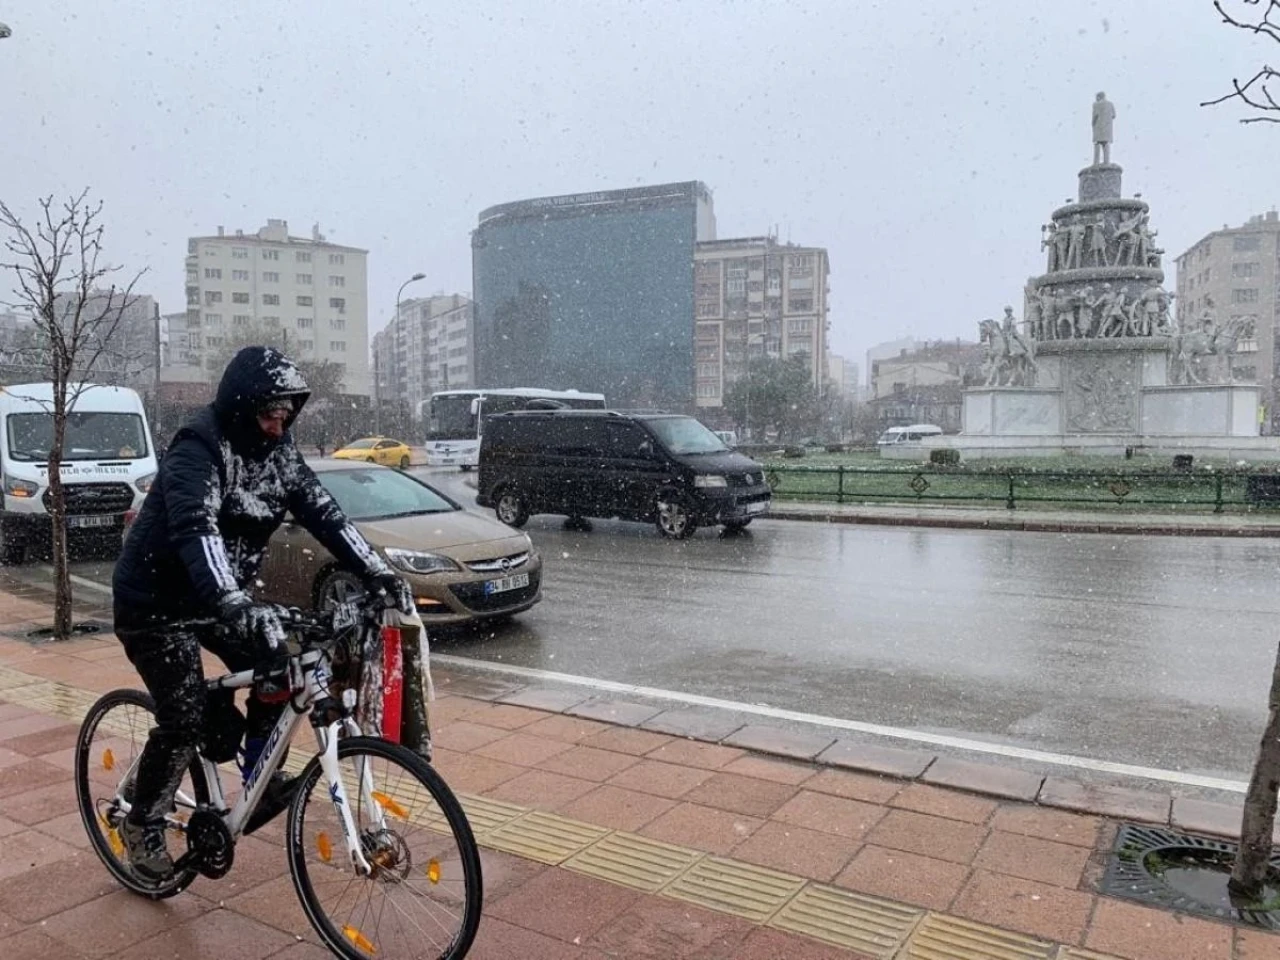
(1245, 270)
(213, 341)
(212, 273)
(192, 246)
(270, 276)
(241, 320)
(1245, 295)
(212, 319)
(239, 253)
(338, 323)
(303, 278)
(213, 296)
(193, 276)
(239, 298)
(708, 391)
(708, 369)
(337, 346)
(799, 326)
(801, 304)
(736, 282)
(271, 321)
(337, 281)
(270, 254)
(271, 299)
(239, 274)
(306, 323)
(304, 301)
(307, 344)
(337, 258)
(338, 303)
(302, 256)
(210, 251)
(1246, 244)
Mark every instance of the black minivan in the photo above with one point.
(666, 469)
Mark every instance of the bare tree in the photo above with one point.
(61, 277)
(1255, 92)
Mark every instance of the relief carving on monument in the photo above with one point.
(1099, 393)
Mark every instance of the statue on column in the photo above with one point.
(1098, 241)
(1104, 115)
(1050, 239)
(1128, 238)
(1075, 244)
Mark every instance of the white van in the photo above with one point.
(914, 433)
(108, 462)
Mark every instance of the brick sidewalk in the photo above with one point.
(746, 856)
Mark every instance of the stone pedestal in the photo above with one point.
(1099, 182)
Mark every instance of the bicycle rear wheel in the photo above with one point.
(423, 899)
(111, 739)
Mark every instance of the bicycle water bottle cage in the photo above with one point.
(271, 682)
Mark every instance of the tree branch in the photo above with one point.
(1254, 93)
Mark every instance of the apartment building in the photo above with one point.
(1234, 274)
(755, 297)
(313, 292)
(429, 346)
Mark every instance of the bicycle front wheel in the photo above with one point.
(422, 900)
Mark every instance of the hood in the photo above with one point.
(254, 376)
(727, 461)
(480, 537)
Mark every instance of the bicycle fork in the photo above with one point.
(328, 755)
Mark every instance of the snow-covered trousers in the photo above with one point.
(168, 660)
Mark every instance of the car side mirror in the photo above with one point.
(646, 448)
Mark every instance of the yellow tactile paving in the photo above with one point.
(876, 928)
(10, 678)
(633, 861)
(544, 837)
(486, 815)
(732, 887)
(940, 937)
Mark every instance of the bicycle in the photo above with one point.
(431, 898)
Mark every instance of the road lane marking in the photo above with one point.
(856, 726)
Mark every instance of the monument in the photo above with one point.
(1097, 364)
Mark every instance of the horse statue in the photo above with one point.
(1212, 339)
(1011, 357)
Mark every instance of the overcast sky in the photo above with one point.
(922, 144)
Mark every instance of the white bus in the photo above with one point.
(108, 462)
(455, 418)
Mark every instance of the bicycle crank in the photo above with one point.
(210, 847)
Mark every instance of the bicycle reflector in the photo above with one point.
(392, 683)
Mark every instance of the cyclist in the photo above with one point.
(196, 549)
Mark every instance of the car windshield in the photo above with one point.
(360, 445)
(90, 436)
(378, 493)
(684, 435)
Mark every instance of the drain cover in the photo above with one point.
(81, 628)
(1179, 871)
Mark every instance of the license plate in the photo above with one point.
(107, 521)
(759, 506)
(503, 584)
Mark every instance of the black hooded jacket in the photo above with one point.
(223, 489)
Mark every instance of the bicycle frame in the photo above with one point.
(314, 671)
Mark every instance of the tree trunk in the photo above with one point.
(58, 520)
(1258, 824)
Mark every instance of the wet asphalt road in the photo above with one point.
(1146, 650)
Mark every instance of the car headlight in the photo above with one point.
(144, 483)
(710, 480)
(419, 561)
(20, 488)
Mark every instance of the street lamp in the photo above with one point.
(377, 404)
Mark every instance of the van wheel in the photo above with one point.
(674, 520)
(511, 509)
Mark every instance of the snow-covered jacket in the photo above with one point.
(222, 490)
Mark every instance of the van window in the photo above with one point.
(90, 436)
(913, 436)
(572, 436)
(625, 440)
(685, 435)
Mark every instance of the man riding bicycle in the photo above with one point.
(196, 548)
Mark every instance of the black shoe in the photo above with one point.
(275, 801)
(148, 851)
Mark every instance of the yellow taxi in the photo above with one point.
(383, 450)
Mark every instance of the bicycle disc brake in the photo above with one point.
(210, 847)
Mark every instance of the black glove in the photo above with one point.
(395, 590)
(258, 622)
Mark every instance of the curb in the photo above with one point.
(1031, 525)
(1000, 782)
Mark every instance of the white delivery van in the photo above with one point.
(912, 434)
(108, 462)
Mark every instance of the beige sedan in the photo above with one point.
(461, 566)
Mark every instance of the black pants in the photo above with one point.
(168, 660)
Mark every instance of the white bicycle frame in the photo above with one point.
(314, 677)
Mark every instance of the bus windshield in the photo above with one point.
(90, 436)
(451, 417)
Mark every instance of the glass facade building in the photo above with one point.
(592, 292)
